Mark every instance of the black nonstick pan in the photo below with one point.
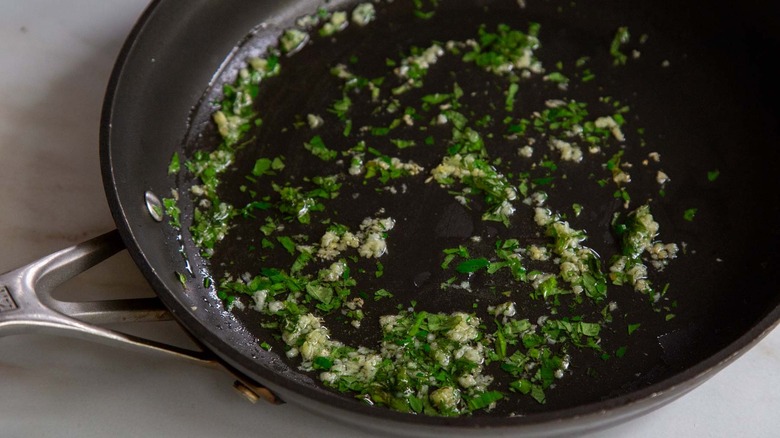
(717, 114)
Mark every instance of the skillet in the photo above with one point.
(168, 88)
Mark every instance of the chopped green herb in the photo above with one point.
(622, 37)
(341, 107)
(382, 293)
(175, 165)
(510, 96)
(622, 194)
(484, 400)
(403, 144)
(265, 166)
(557, 78)
(451, 253)
(173, 212)
(182, 278)
(317, 147)
(322, 363)
(287, 243)
(587, 76)
(472, 265)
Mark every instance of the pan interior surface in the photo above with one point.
(710, 109)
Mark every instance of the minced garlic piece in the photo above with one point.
(655, 156)
(370, 240)
(259, 298)
(568, 151)
(332, 244)
(293, 40)
(621, 177)
(374, 244)
(538, 253)
(395, 163)
(338, 22)
(446, 398)
(314, 121)
(609, 123)
(363, 14)
(504, 309)
(373, 247)
(334, 272)
(466, 328)
(542, 216)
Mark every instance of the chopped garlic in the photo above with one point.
(314, 121)
(568, 151)
(363, 14)
(609, 123)
(661, 177)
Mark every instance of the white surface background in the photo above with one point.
(55, 60)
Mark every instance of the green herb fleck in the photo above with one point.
(451, 253)
(557, 78)
(484, 400)
(403, 144)
(380, 270)
(317, 147)
(382, 293)
(173, 212)
(265, 166)
(509, 104)
(472, 265)
(622, 36)
(713, 175)
(287, 243)
(341, 107)
(175, 165)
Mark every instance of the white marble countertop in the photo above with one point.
(55, 59)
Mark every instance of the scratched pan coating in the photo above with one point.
(712, 108)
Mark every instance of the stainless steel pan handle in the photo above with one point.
(27, 305)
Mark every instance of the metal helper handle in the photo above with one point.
(27, 306)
